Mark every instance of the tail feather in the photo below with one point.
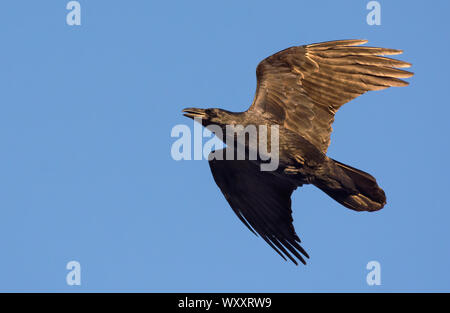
(367, 196)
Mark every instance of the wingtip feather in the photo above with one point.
(336, 43)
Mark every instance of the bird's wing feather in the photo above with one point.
(262, 201)
(302, 87)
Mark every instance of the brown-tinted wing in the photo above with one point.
(303, 87)
(262, 201)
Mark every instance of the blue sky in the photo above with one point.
(86, 172)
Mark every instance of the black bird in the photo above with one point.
(300, 89)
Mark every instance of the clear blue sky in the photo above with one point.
(86, 172)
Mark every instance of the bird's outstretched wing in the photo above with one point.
(262, 201)
(303, 87)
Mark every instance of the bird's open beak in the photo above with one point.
(194, 113)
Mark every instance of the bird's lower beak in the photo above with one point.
(194, 113)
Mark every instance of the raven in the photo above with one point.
(300, 89)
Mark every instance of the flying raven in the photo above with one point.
(300, 89)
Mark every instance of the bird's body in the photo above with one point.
(299, 91)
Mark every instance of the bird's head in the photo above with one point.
(207, 116)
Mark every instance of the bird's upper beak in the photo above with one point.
(193, 113)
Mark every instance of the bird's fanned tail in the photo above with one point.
(365, 195)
